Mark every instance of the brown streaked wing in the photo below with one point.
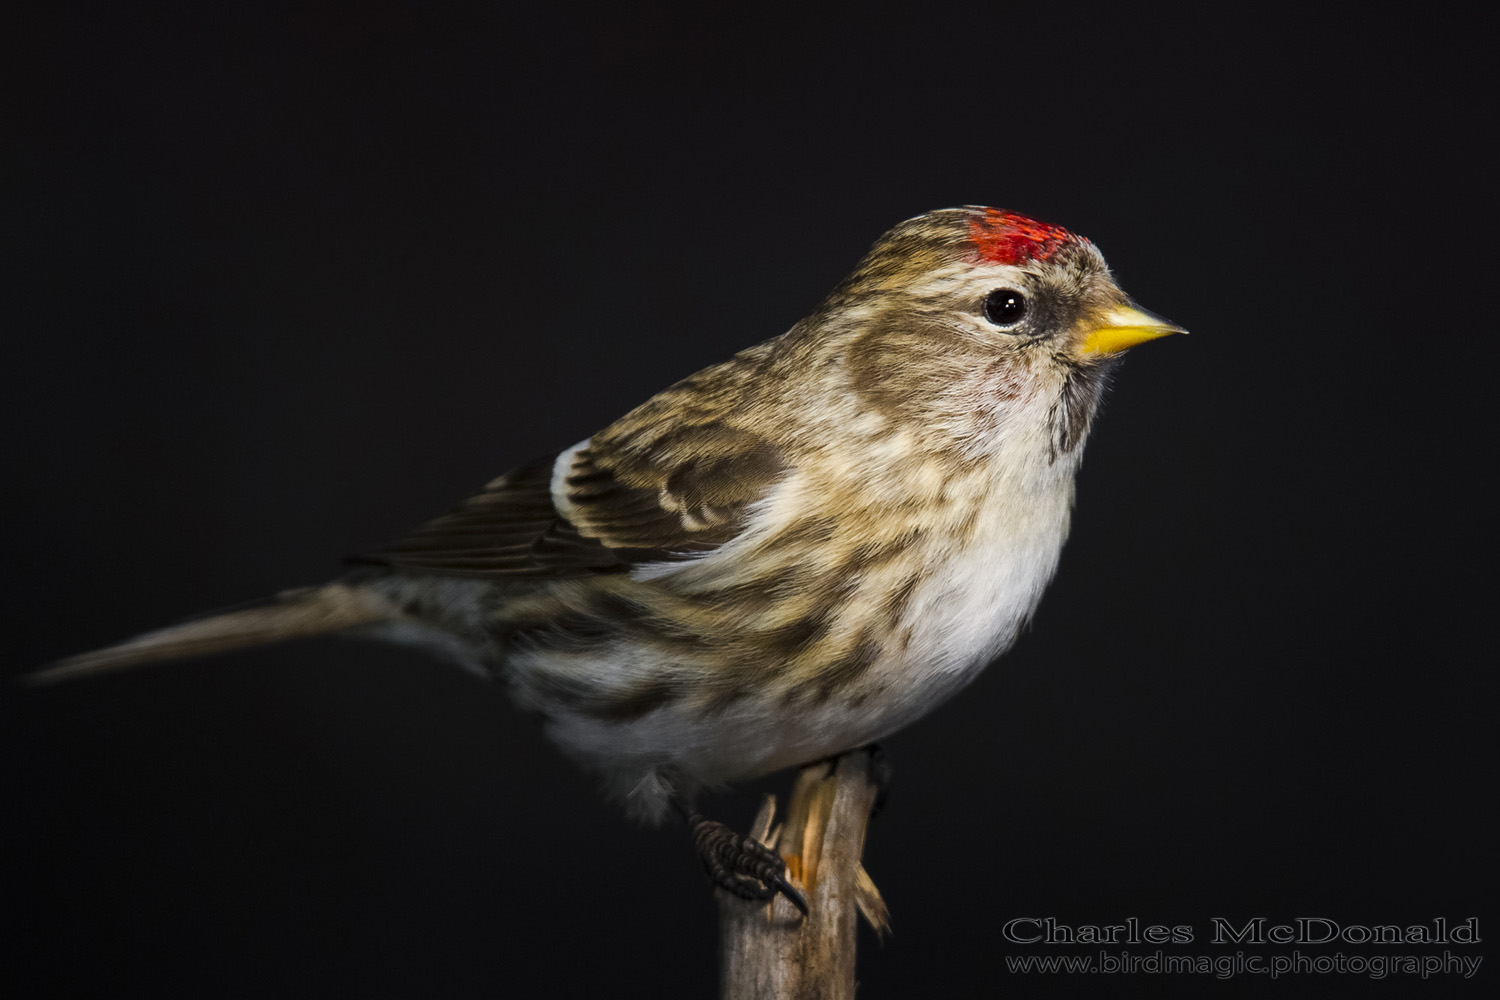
(626, 509)
(511, 528)
(686, 492)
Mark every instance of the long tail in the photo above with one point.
(291, 614)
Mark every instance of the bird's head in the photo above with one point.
(971, 319)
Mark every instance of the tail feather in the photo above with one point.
(290, 615)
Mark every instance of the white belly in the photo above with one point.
(968, 610)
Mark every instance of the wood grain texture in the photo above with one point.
(769, 950)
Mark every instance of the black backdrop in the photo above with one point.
(287, 279)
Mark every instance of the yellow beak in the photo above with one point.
(1125, 326)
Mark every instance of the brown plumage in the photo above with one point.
(786, 555)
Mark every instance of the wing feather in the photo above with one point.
(628, 499)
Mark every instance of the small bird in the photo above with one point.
(783, 557)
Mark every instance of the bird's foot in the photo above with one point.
(741, 865)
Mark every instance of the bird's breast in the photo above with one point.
(975, 591)
(834, 621)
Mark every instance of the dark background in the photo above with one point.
(287, 279)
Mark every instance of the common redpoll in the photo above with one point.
(783, 557)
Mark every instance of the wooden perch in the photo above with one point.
(769, 951)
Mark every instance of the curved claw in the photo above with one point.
(780, 884)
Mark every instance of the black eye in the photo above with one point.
(1004, 307)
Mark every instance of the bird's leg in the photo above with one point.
(881, 773)
(740, 865)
